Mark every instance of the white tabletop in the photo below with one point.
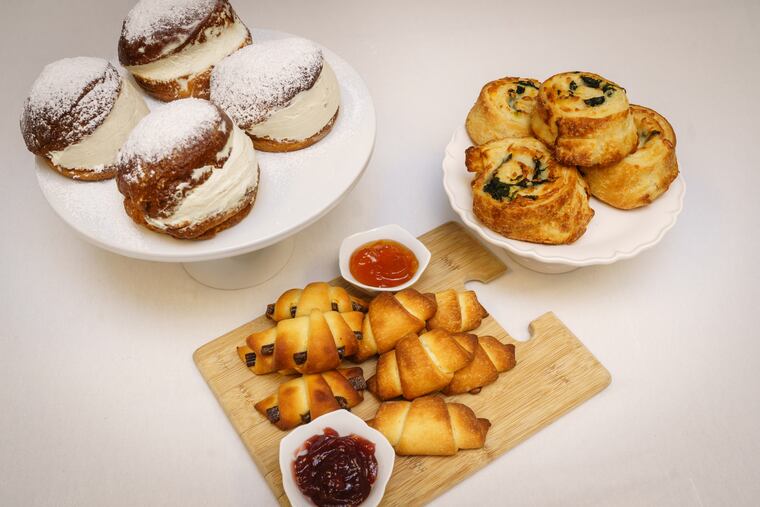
(102, 404)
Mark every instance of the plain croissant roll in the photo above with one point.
(419, 365)
(458, 312)
(315, 296)
(490, 358)
(390, 317)
(310, 344)
(429, 426)
(302, 399)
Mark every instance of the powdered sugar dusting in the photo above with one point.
(60, 109)
(258, 78)
(161, 16)
(166, 130)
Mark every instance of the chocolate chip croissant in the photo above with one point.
(315, 296)
(390, 317)
(490, 358)
(419, 365)
(457, 312)
(310, 344)
(429, 426)
(302, 399)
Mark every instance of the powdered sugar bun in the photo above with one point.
(187, 171)
(282, 93)
(77, 114)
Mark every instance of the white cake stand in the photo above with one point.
(611, 236)
(295, 190)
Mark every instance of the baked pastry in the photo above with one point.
(419, 365)
(584, 118)
(77, 115)
(522, 192)
(390, 317)
(170, 46)
(490, 358)
(310, 344)
(302, 399)
(457, 312)
(644, 175)
(187, 171)
(281, 92)
(503, 109)
(429, 426)
(315, 296)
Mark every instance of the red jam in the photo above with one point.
(335, 470)
(383, 263)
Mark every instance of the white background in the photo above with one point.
(101, 404)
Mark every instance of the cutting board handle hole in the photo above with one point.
(513, 318)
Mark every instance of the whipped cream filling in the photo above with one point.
(223, 190)
(195, 58)
(97, 151)
(306, 114)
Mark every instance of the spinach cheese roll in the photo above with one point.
(522, 192)
(503, 109)
(644, 175)
(585, 119)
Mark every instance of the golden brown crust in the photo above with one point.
(457, 312)
(428, 426)
(503, 109)
(584, 118)
(83, 174)
(270, 145)
(302, 399)
(490, 358)
(522, 192)
(315, 296)
(644, 175)
(419, 365)
(196, 85)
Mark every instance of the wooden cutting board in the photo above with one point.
(554, 374)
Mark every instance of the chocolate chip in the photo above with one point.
(334, 306)
(358, 383)
(250, 359)
(270, 310)
(267, 350)
(299, 357)
(293, 311)
(358, 335)
(273, 414)
(306, 418)
(357, 307)
(341, 401)
(341, 351)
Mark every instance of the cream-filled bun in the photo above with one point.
(170, 46)
(77, 115)
(503, 109)
(522, 192)
(585, 119)
(644, 175)
(282, 93)
(186, 170)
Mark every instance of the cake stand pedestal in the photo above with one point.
(242, 271)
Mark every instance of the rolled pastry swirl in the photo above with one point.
(302, 399)
(309, 344)
(584, 118)
(503, 109)
(458, 312)
(315, 296)
(522, 192)
(644, 175)
(429, 426)
(490, 359)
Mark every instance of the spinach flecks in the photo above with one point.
(573, 86)
(594, 101)
(590, 81)
(608, 89)
(497, 188)
(520, 89)
(527, 84)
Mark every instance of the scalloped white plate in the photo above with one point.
(612, 234)
(295, 189)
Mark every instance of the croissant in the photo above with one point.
(302, 399)
(522, 192)
(429, 426)
(503, 109)
(584, 118)
(315, 296)
(490, 358)
(310, 344)
(390, 317)
(419, 365)
(645, 174)
(458, 312)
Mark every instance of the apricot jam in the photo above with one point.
(335, 470)
(383, 263)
